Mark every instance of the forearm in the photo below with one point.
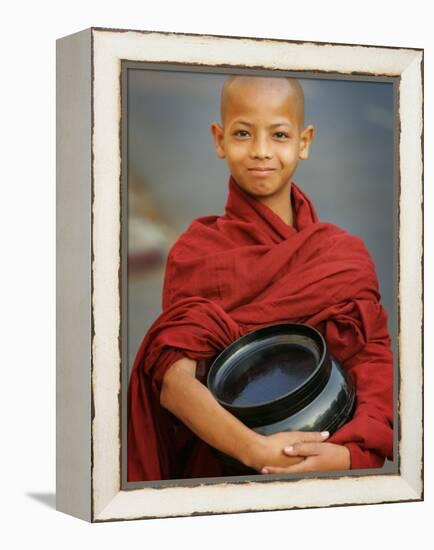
(189, 400)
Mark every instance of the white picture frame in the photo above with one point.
(90, 389)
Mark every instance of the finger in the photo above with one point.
(303, 449)
(274, 470)
(308, 465)
(313, 436)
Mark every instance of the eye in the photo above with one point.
(241, 133)
(281, 135)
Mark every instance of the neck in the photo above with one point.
(280, 204)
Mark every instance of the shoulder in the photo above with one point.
(202, 233)
(335, 244)
(342, 236)
(352, 250)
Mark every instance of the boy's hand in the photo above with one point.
(314, 457)
(269, 450)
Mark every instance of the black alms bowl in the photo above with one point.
(281, 378)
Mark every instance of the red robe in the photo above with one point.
(228, 275)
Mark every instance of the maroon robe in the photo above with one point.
(228, 275)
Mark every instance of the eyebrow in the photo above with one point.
(276, 125)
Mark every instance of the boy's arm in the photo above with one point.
(189, 400)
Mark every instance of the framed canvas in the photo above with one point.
(134, 167)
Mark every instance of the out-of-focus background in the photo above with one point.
(175, 176)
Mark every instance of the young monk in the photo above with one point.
(267, 260)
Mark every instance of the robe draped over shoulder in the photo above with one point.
(231, 274)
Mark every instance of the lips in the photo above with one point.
(259, 171)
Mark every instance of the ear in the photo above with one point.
(306, 139)
(217, 133)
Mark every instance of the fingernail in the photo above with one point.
(289, 449)
(264, 470)
(325, 434)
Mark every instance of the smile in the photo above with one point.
(261, 171)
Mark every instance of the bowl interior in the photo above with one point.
(266, 369)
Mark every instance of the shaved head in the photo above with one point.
(236, 86)
(262, 136)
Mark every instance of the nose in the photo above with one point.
(260, 149)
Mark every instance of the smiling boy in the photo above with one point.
(266, 260)
(263, 137)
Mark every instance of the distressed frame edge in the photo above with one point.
(410, 284)
(415, 493)
(401, 491)
(257, 39)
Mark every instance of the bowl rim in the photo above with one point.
(287, 328)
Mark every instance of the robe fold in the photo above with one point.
(231, 274)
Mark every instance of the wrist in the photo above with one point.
(253, 452)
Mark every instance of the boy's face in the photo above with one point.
(262, 138)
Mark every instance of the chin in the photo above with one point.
(254, 191)
(261, 190)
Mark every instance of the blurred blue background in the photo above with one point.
(174, 175)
